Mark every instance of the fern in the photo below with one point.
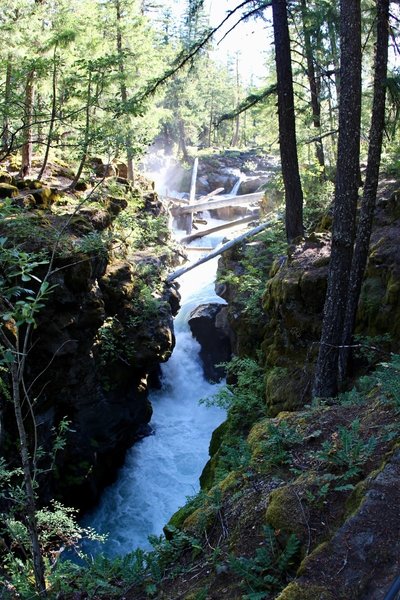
(265, 574)
(348, 450)
(389, 380)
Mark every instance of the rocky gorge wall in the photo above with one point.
(293, 495)
(104, 329)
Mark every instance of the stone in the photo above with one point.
(365, 550)
(7, 190)
(214, 342)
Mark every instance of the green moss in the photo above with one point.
(321, 548)
(257, 434)
(217, 438)
(207, 476)
(284, 389)
(201, 519)
(7, 190)
(284, 511)
(372, 296)
(355, 499)
(230, 481)
(177, 519)
(303, 591)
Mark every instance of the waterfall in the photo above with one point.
(235, 189)
(163, 469)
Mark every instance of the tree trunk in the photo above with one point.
(235, 136)
(38, 566)
(346, 192)
(7, 99)
(371, 180)
(335, 58)
(26, 163)
(87, 134)
(287, 125)
(123, 88)
(53, 116)
(314, 88)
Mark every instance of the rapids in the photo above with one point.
(162, 470)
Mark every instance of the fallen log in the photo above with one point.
(219, 251)
(211, 194)
(199, 248)
(186, 201)
(220, 203)
(199, 234)
(176, 200)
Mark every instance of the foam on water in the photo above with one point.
(163, 469)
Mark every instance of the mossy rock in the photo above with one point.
(45, 196)
(201, 519)
(217, 438)
(7, 190)
(310, 557)
(304, 591)
(231, 481)
(207, 477)
(285, 389)
(177, 520)
(82, 185)
(257, 435)
(356, 498)
(5, 177)
(285, 512)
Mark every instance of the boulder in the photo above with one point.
(5, 177)
(122, 169)
(365, 550)
(213, 339)
(7, 190)
(102, 169)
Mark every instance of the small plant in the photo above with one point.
(233, 457)
(347, 451)
(371, 348)
(266, 573)
(388, 380)
(95, 243)
(280, 440)
(253, 272)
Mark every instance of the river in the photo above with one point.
(163, 469)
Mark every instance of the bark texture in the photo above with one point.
(287, 124)
(26, 163)
(371, 179)
(314, 85)
(346, 192)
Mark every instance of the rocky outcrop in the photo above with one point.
(315, 484)
(208, 326)
(317, 488)
(364, 550)
(294, 301)
(100, 337)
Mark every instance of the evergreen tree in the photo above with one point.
(287, 125)
(346, 194)
(371, 180)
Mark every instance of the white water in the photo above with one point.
(161, 470)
